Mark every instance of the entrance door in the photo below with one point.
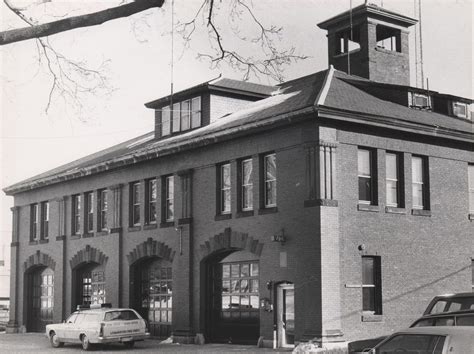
(41, 301)
(234, 300)
(286, 315)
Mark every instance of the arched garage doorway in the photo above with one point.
(40, 298)
(232, 294)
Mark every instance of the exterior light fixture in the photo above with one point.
(279, 237)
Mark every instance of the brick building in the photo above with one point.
(332, 206)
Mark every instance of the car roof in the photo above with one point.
(440, 330)
(453, 296)
(102, 310)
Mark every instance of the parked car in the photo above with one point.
(99, 324)
(428, 340)
(443, 310)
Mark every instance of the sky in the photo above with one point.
(137, 53)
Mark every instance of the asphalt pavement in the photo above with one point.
(38, 343)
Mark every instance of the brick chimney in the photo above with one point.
(377, 47)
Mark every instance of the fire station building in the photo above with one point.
(331, 207)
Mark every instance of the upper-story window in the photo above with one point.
(168, 199)
(270, 180)
(102, 210)
(420, 195)
(394, 179)
(246, 185)
(44, 220)
(460, 110)
(224, 188)
(34, 219)
(471, 188)
(367, 176)
(150, 201)
(182, 116)
(418, 100)
(347, 40)
(76, 214)
(135, 204)
(89, 206)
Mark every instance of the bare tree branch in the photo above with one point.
(92, 19)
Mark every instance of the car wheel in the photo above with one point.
(54, 340)
(129, 344)
(86, 345)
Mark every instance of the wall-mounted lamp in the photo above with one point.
(279, 237)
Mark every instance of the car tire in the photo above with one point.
(86, 345)
(129, 344)
(54, 340)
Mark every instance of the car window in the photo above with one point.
(79, 318)
(466, 303)
(417, 343)
(424, 323)
(439, 306)
(444, 321)
(124, 315)
(465, 320)
(72, 318)
(91, 318)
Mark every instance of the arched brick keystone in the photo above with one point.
(39, 259)
(231, 240)
(151, 248)
(88, 255)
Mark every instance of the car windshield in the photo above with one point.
(72, 318)
(124, 315)
(412, 343)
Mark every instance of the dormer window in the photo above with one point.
(460, 110)
(183, 116)
(418, 100)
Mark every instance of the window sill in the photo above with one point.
(115, 230)
(76, 237)
(102, 233)
(320, 202)
(44, 240)
(420, 212)
(395, 210)
(470, 216)
(368, 207)
(185, 221)
(33, 242)
(270, 210)
(167, 224)
(370, 317)
(150, 227)
(88, 235)
(223, 217)
(134, 228)
(245, 213)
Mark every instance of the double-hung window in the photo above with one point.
(168, 199)
(366, 174)
(196, 112)
(420, 188)
(150, 201)
(181, 116)
(135, 204)
(76, 214)
(102, 210)
(176, 114)
(471, 188)
(246, 185)
(44, 220)
(371, 285)
(394, 179)
(165, 121)
(89, 206)
(270, 180)
(185, 115)
(224, 189)
(34, 216)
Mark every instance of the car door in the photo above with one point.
(65, 330)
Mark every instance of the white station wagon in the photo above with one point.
(98, 324)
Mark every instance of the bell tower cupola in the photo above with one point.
(370, 42)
